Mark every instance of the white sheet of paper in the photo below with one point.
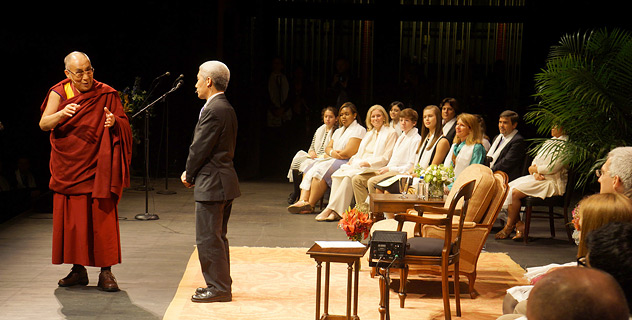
(340, 244)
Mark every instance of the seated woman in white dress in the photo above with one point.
(466, 147)
(394, 109)
(400, 162)
(374, 152)
(432, 148)
(547, 177)
(304, 159)
(342, 146)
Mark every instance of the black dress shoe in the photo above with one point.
(211, 295)
(292, 198)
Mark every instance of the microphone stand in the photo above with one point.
(166, 191)
(147, 215)
(152, 87)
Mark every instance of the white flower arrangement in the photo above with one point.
(438, 174)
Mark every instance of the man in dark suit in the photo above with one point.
(509, 148)
(210, 170)
(449, 111)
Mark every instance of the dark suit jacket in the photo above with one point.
(511, 158)
(451, 133)
(210, 162)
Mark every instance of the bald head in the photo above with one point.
(79, 70)
(577, 293)
(74, 58)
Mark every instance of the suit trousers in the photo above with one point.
(360, 189)
(211, 224)
(365, 183)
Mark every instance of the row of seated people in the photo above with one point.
(449, 109)
(604, 225)
(362, 164)
(357, 158)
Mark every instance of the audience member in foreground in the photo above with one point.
(598, 210)
(609, 250)
(616, 174)
(577, 293)
(595, 211)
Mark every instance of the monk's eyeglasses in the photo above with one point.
(80, 74)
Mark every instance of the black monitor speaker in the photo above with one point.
(386, 248)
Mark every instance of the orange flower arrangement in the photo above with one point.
(356, 223)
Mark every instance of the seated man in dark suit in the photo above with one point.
(508, 148)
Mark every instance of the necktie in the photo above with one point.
(499, 143)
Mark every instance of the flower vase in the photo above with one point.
(435, 191)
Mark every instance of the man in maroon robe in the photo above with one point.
(90, 156)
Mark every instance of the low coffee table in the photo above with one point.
(390, 202)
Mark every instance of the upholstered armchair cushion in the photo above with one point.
(420, 246)
(484, 190)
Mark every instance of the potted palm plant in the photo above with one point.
(586, 87)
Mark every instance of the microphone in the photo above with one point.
(178, 85)
(178, 79)
(166, 74)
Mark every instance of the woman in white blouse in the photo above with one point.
(547, 177)
(374, 152)
(433, 146)
(394, 109)
(342, 146)
(320, 141)
(401, 160)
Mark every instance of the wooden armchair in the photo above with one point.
(475, 233)
(489, 194)
(441, 253)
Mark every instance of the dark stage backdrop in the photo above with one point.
(144, 39)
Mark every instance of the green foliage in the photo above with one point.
(133, 100)
(586, 89)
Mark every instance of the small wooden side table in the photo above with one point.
(350, 256)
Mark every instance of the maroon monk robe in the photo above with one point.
(89, 167)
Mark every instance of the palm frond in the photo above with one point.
(585, 89)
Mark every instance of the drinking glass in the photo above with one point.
(404, 181)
